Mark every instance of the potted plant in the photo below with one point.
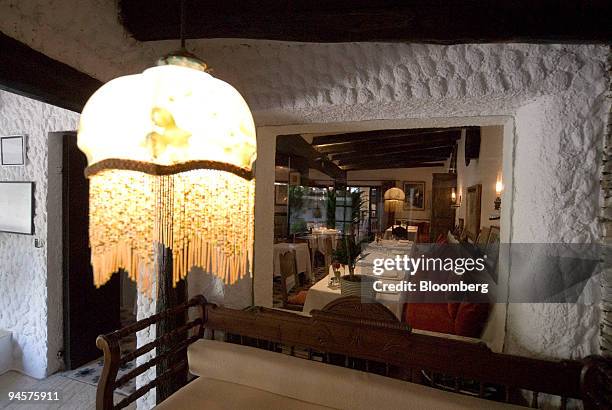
(348, 253)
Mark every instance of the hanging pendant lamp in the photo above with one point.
(170, 157)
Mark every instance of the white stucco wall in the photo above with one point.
(555, 93)
(24, 278)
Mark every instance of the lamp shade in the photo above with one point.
(394, 194)
(168, 115)
(394, 199)
(170, 161)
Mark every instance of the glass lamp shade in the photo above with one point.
(168, 115)
(170, 154)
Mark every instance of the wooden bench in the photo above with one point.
(364, 337)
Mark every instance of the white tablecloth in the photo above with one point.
(302, 258)
(320, 294)
(317, 240)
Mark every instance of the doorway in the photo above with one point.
(87, 311)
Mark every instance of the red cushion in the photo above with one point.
(298, 299)
(429, 316)
(471, 319)
(463, 319)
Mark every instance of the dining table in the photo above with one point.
(323, 292)
(302, 258)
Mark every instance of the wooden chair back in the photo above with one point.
(288, 270)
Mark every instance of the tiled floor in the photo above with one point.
(73, 395)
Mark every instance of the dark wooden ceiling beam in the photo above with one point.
(326, 140)
(440, 22)
(295, 145)
(395, 160)
(32, 74)
(385, 152)
(390, 143)
(418, 164)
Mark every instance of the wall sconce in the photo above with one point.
(499, 187)
(454, 202)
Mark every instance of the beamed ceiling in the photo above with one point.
(433, 21)
(400, 148)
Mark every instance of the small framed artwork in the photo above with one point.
(17, 207)
(415, 195)
(295, 178)
(280, 194)
(13, 150)
(472, 216)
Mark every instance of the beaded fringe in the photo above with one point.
(205, 217)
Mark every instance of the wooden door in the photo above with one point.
(442, 215)
(88, 312)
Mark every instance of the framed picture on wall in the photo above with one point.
(17, 207)
(280, 194)
(415, 195)
(295, 178)
(13, 150)
(472, 212)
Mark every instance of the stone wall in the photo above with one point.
(28, 290)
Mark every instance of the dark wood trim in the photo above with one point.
(386, 150)
(352, 330)
(27, 72)
(420, 21)
(405, 141)
(393, 156)
(352, 137)
(388, 165)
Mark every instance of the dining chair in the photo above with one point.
(288, 269)
(399, 232)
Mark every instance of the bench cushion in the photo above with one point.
(211, 394)
(319, 383)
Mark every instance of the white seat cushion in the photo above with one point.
(211, 394)
(320, 383)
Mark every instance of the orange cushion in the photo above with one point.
(298, 299)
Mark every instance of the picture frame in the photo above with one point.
(13, 150)
(472, 212)
(415, 195)
(17, 207)
(281, 194)
(295, 178)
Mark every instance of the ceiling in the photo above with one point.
(335, 154)
(442, 22)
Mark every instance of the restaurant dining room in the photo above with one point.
(305, 205)
(343, 201)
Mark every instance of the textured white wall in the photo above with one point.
(24, 295)
(554, 92)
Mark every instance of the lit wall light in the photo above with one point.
(455, 203)
(499, 187)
